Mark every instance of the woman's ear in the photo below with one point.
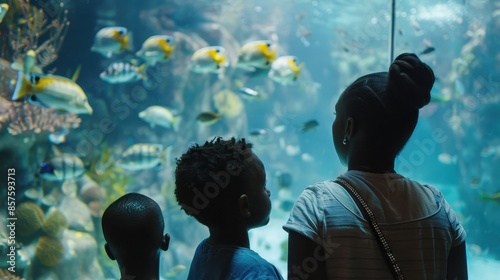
(165, 242)
(349, 128)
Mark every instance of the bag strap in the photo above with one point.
(382, 242)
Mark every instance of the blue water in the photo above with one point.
(456, 145)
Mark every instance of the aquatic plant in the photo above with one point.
(22, 117)
(49, 250)
(34, 31)
(29, 218)
(113, 179)
(55, 223)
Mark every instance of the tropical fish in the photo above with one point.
(3, 10)
(28, 65)
(428, 50)
(209, 60)
(52, 91)
(256, 54)
(283, 179)
(61, 168)
(158, 48)
(307, 157)
(157, 115)
(309, 126)
(174, 271)
(58, 136)
(447, 159)
(208, 118)
(249, 93)
(142, 156)
(286, 204)
(495, 196)
(124, 71)
(258, 132)
(285, 70)
(112, 40)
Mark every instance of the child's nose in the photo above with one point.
(268, 192)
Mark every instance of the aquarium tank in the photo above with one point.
(87, 87)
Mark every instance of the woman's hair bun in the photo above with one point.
(410, 81)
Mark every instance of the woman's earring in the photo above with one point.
(344, 141)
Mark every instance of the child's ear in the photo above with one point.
(165, 242)
(108, 252)
(243, 205)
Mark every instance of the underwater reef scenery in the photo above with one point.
(99, 98)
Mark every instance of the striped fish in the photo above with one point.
(142, 156)
(61, 168)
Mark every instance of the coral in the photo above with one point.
(22, 117)
(35, 28)
(228, 103)
(49, 250)
(29, 218)
(4, 274)
(55, 223)
(91, 193)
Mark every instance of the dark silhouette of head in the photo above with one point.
(222, 184)
(133, 228)
(378, 112)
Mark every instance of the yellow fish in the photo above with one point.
(257, 54)
(209, 60)
(158, 115)
(3, 10)
(158, 48)
(28, 65)
(208, 118)
(112, 40)
(285, 70)
(52, 91)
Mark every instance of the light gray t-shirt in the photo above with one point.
(417, 222)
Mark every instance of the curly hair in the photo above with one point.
(208, 179)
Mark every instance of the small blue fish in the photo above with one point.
(283, 179)
(258, 132)
(309, 126)
(428, 50)
(249, 93)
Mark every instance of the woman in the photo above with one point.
(330, 237)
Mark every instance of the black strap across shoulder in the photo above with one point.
(382, 242)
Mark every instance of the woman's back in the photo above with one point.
(417, 222)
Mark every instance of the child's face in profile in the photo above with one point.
(258, 194)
